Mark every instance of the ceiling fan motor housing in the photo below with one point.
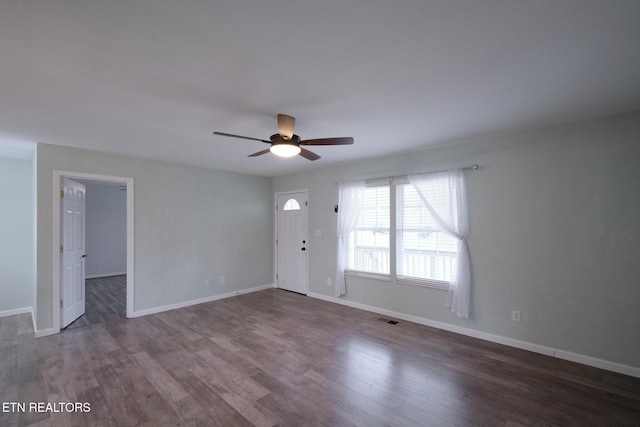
(279, 139)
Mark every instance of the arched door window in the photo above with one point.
(292, 205)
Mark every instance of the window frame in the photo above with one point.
(374, 274)
(392, 276)
(414, 280)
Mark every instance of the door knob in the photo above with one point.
(304, 249)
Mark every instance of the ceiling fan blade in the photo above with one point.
(240, 136)
(309, 155)
(328, 141)
(259, 153)
(285, 126)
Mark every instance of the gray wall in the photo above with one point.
(555, 233)
(106, 230)
(190, 224)
(16, 234)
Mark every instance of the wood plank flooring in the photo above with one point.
(279, 358)
(105, 301)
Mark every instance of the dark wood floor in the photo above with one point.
(105, 301)
(279, 358)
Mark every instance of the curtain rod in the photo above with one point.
(466, 168)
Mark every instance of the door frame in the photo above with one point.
(58, 175)
(275, 246)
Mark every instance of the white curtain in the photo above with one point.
(350, 196)
(445, 196)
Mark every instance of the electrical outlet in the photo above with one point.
(206, 282)
(328, 281)
(515, 315)
(222, 279)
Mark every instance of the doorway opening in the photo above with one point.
(105, 252)
(108, 291)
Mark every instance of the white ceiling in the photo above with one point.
(155, 78)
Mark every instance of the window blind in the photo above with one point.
(367, 246)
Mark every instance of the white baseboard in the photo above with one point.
(46, 332)
(632, 371)
(41, 332)
(29, 310)
(524, 345)
(15, 311)
(168, 307)
(99, 276)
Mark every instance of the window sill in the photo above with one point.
(363, 274)
(423, 283)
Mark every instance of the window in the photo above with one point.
(367, 245)
(292, 205)
(423, 251)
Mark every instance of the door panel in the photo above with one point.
(73, 254)
(292, 242)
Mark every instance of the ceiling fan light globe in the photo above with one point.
(285, 150)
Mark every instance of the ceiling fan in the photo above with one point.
(287, 144)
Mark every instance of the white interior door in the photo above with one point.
(292, 241)
(73, 252)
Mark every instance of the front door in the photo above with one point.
(73, 252)
(292, 241)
